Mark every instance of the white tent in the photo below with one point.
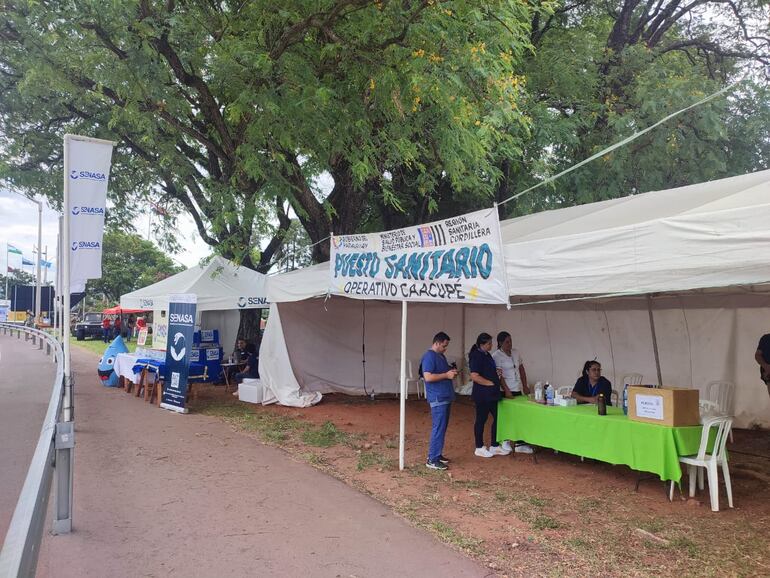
(696, 257)
(222, 289)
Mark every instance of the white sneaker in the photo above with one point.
(499, 451)
(524, 449)
(506, 445)
(483, 452)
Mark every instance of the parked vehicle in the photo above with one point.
(90, 325)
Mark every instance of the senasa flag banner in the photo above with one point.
(89, 172)
(453, 260)
(181, 326)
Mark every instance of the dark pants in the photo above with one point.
(239, 377)
(106, 334)
(483, 409)
(440, 420)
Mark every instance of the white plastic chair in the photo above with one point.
(413, 378)
(632, 379)
(722, 393)
(709, 462)
(708, 409)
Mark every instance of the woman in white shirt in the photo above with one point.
(514, 378)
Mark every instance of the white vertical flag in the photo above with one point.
(88, 174)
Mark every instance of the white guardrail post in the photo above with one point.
(54, 454)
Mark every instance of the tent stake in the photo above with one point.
(402, 417)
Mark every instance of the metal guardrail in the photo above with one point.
(53, 455)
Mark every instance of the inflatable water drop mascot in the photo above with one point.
(106, 371)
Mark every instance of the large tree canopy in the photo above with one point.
(230, 110)
(601, 71)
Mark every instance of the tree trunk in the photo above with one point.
(249, 326)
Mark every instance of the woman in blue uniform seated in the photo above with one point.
(486, 394)
(591, 384)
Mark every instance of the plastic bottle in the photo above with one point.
(625, 399)
(602, 405)
(538, 392)
(549, 395)
(545, 392)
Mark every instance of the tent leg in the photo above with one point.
(654, 340)
(402, 396)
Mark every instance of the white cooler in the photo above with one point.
(251, 391)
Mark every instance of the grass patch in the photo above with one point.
(543, 522)
(452, 536)
(685, 544)
(469, 484)
(538, 502)
(324, 436)
(391, 444)
(98, 346)
(579, 544)
(270, 427)
(315, 459)
(370, 459)
(500, 496)
(653, 525)
(585, 505)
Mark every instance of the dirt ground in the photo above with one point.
(521, 517)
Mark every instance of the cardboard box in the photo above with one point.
(671, 406)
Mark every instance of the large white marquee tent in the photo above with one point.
(222, 289)
(583, 281)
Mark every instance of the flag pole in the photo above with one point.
(65, 252)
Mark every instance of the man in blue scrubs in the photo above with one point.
(440, 394)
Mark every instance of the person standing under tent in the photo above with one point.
(513, 379)
(762, 357)
(486, 394)
(106, 329)
(118, 326)
(130, 324)
(440, 394)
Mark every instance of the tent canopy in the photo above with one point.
(220, 285)
(712, 234)
(118, 310)
(701, 250)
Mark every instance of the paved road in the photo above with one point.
(165, 494)
(26, 377)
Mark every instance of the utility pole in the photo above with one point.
(38, 305)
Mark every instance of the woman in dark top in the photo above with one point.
(486, 394)
(591, 384)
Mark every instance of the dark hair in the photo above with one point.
(502, 336)
(482, 339)
(587, 365)
(440, 337)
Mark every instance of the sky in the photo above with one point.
(18, 226)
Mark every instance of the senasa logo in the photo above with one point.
(77, 245)
(244, 301)
(180, 318)
(87, 175)
(96, 211)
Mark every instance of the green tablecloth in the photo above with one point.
(611, 438)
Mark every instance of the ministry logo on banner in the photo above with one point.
(88, 163)
(452, 260)
(181, 325)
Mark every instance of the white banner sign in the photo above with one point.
(89, 172)
(453, 260)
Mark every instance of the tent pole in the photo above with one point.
(402, 396)
(654, 340)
